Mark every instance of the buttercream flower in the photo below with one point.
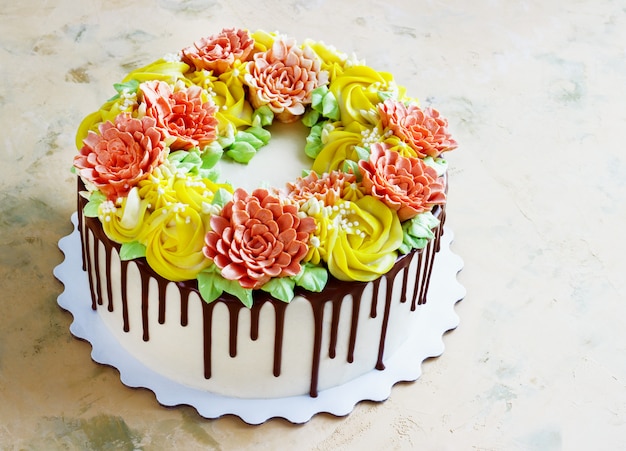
(174, 238)
(426, 131)
(338, 145)
(407, 185)
(220, 51)
(283, 78)
(360, 241)
(182, 113)
(357, 91)
(121, 155)
(329, 188)
(257, 237)
(228, 94)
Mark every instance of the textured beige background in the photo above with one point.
(535, 93)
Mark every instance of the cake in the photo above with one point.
(259, 217)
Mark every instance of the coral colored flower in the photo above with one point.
(283, 78)
(219, 52)
(181, 113)
(121, 155)
(257, 237)
(424, 130)
(406, 185)
(329, 188)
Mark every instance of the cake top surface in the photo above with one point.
(250, 161)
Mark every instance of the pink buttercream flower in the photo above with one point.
(329, 188)
(283, 78)
(181, 113)
(121, 155)
(219, 52)
(257, 237)
(426, 131)
(406, 185)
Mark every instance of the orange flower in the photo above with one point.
(424, 130)
(283, 78)
(121, 155)
(182, 114)
(406, 185)
(219, 52)
(257, 237)
(329, 188)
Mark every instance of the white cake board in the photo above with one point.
(405, 365)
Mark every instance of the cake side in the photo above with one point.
(273, 349)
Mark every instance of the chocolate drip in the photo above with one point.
(96, 257)
(374, 307)
(124, 277)
(184, 304)
(162, 287)
(334, 326)
(356, 308)
(279, 311)
(94, 301)
(207, 321)
(107, 270)
(335, 292)
(233, 309)
(390, 279)
(255, 312)
(318, 316)
(145, 285)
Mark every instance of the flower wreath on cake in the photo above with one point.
(148, 160)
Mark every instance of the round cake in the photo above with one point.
(259, 217)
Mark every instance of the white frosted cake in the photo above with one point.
(259, 217)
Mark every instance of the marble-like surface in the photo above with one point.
(534, 91)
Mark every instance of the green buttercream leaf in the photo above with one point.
(314, 143)
(209, 285)
(362, 152)
(221, 197)
(312, 278)
(187, 161)
(211, 154)
(250, 138)
(384, 95)
(132, 250)
(310, 118)
(418, 231)
(281, 288)
(262, 117)
(129, 86)
(241, 293)
(330, 107)
(92, 207)
(324, 102)
(352, 166)
(260, 134)
(317, 98)
(241, 152)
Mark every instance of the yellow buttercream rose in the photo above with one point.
(338, 146)
(357, 92)
(228, 93)
(124, 223)
(358, 240)
(174, 237)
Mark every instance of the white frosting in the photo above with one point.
(177, 352)
(280, 161)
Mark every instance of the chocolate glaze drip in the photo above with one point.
(336, 293)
